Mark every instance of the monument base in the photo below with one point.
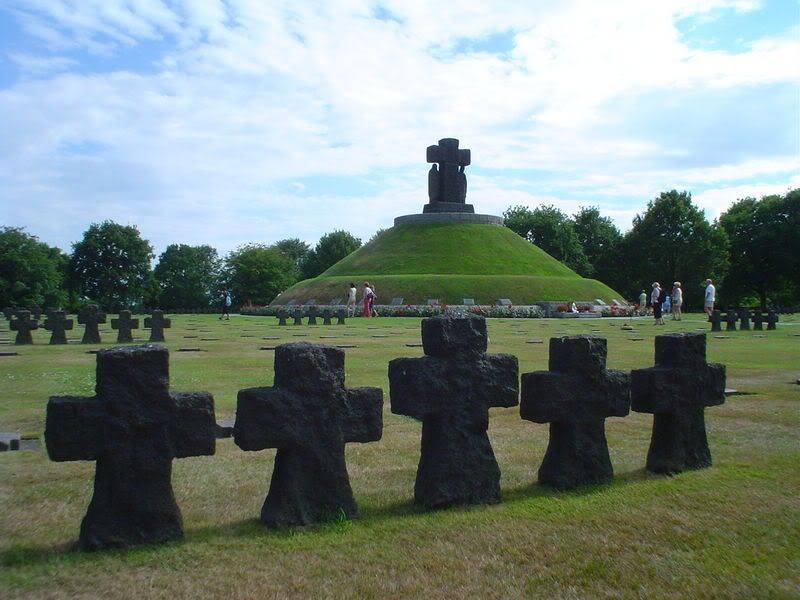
(448, 217)
(448, 207)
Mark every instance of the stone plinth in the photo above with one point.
(448, 217)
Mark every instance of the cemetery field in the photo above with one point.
(731, 531)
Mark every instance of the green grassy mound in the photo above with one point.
(451, 262)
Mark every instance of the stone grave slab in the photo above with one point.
(396, 302)
(505, 302)
(9, 441)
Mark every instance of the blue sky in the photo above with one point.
(236, 121)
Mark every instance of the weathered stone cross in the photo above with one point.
(448, 183)
(282, 316)
(326, 316)
(451, 390)
(716, 320)
(340, 316)
(312, 315)
(298, 316)
(730, 320)
(758, 320)
(308, 415)
(23, 325)
(744, 319)
(157, 323)
(91, 317)
(124, 324)
(58, 323)
(676, 391)
(772, 320)
(133, 427)
(575, 396)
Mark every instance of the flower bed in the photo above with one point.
(418, 310)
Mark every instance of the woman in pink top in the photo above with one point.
(367, 299)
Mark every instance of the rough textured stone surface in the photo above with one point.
(308, 415)
(282, 316)
(730, 320)
(23, 325)
(90, 317)
(157, 323)
(326, 316)
(297, 315)
(124, 324)
(341, 315)
(575, 396)
(312, 315)
(447, 182)
(676, 391)
(451, 391)
(58, 324)
(716, 320)
(133, 427)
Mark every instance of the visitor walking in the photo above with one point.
(655, 300)
(351, 300)
(643, 301)
(225, 301)
(709, 298)
(366, 298)
(677, 300)
(372, 310)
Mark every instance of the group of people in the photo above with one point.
(368, 299)
(673, 301)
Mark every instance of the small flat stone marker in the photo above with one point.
(346, 346)
(9, 441)
(270, 337)
(209, 339)
(9, 354)
(223, 428)
(534, 342)
(414, 345)
(187, 350)
(267, 348)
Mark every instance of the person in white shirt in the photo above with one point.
(677, 300)
(351, 300)
(710, 298)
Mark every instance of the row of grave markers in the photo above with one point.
(309, 415)
(744, 316)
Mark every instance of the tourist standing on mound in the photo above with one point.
(351, 300)
(366, 299)
(655, 300)
(710, 298)
(677, 301)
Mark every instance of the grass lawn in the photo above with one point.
(731, 531)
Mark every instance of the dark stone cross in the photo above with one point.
(308, 415)
(758, 320)
(312, 315)
(124, 324)
(23, 325)
(772, 320)
(58, 323)
(91, 317)
(157, 323)
(451, 390)
(447, 182)
(744, 319)
(730, 320)
(36, 311)
(341, 314)
(575, 396)
(9, 312)
(298, 316)
(716, 320)
(676, 391)
(326, 316)
(133, 427)
(282, 316)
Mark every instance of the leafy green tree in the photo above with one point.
(764, 248)
(331, 248)
(673, 241)
(294, 249)
(187, 276)
(552, 231)
(31, 272)
(111, 265)
(256, 273)
(600, 240)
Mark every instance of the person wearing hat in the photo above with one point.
(677, 300)
(655, 296)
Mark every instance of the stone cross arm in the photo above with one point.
(421, 387)
(447, 151)
(158, 320)
(58, 321)
(363, 421)
(665, 389)
(193, 426)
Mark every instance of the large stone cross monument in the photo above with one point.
(447, 182)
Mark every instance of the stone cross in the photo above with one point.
(758, 320)
(575, 396)
(451, 390)
(730, 320)
(312, 315)
(772, 320)
(326, 316)
(133, 427)
(716, 320)
(744, 319)
(157, 323)
(36, 311)
(23, 325)
(340, 316)
(298, 316)
(676, 391)
(282, 316)
(91, 317)
(309, 416)
(447, 183)
(124, 324)
(58, 323)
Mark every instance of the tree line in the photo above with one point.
(752, 252)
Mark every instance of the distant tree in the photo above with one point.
(600, 240)
(764, 248)
(187, 276)
(331, 248)
(256, 273)
(673, 241)
(552, 231)
(110, 265)
(294, 249)
(31, 272)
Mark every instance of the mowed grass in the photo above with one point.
(731, 531)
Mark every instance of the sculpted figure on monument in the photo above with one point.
(447, 182)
